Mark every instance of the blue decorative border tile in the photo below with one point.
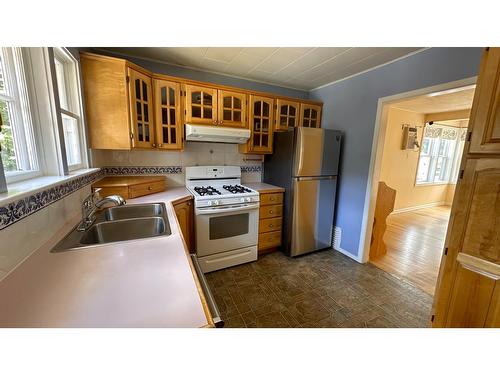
(251, 168)
(141, 170)
(17, 210)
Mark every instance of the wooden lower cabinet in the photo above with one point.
(185, 216)
(270, 221)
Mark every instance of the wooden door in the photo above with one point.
(201, 105)
(168, 119)
(141, 109)
(486, 135)
(468, 291)
(261, 125)
(310, 115)
(232, 108)
(287, 114)
(185, 217)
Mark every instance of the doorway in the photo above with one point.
(419, 164)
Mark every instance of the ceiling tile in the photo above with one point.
(301, 67)
(225, 54)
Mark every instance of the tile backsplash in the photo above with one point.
(195, 153)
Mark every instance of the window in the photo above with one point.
(440, 154)
(68, 88)
(18, 148)
(41, 126)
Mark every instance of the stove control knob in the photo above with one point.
(209, 203)
(242, 200)
(216, 203)
(248, 199)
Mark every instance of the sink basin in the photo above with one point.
(124, 230)
(121, 223)
(134, 211)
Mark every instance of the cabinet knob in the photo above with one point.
(160, 144)
(220, 122)
(150, 188)
(271, 212)
(271, 198)
(271, 226)
(154, 144)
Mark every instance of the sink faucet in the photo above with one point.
(92, 203)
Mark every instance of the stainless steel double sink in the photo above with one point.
(121, 223)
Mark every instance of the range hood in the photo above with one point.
(204, 133)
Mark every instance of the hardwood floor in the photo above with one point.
(414, 243)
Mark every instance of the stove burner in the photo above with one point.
(236, 189)
(202, 190)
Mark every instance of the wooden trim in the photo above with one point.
(203, 300)
(199, 83)
(478, 265)
(446, 116)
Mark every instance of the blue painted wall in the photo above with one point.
(178, 71)
(351, 106)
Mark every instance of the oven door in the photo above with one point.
(226, 228)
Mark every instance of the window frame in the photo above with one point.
(25, 133)
(451, 171)
(72, 87)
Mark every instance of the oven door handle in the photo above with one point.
(212, 210)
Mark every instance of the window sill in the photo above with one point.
(22, 189)
(433, 184)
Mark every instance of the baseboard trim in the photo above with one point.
(348, 254)
(428, 205)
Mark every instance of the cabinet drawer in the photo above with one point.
(270, 211)
(274, 198)
(145, 189)
(269, 225)
(270, 239)
(106, 191)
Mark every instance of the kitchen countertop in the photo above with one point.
(141, 283)
(262, 187)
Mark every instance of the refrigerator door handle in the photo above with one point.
(316, 178)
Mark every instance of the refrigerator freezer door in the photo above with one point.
(313, 209)
(316, 152)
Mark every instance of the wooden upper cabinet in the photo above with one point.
(261, 126)
(310, 115)
(287, 114)
(105, 92)
(168, 118)
(141, 109)
(485, 114)
(201, 105)
(232, 109)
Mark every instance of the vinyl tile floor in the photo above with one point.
(324, 289)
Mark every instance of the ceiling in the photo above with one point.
(439, 102)
(302, 68)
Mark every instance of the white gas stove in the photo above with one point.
(227, 216)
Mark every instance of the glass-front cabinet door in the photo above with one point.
(287, 114)
(310, 115)
(168, 122)
(141, 110)
(232, 109)
(201, 105)
(261, 125)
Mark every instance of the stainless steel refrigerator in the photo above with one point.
(305, 162)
